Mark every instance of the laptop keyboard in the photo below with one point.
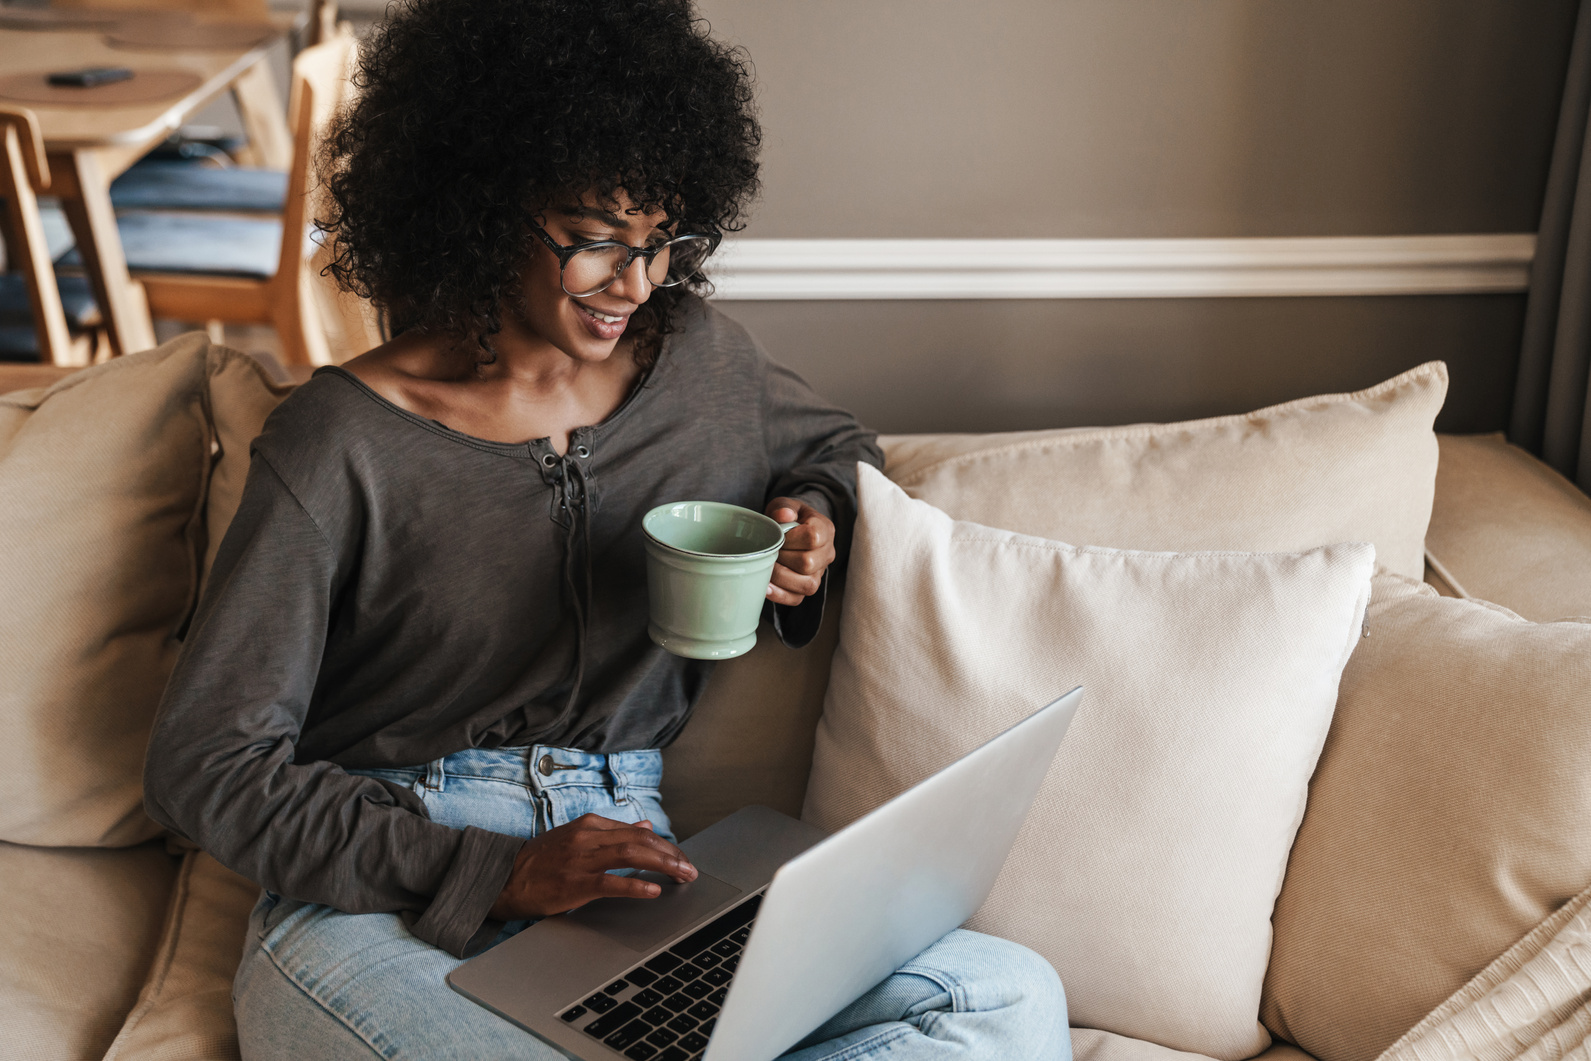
(665, 1008)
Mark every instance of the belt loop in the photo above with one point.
(621, 780)
(435, 775)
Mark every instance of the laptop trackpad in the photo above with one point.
(641, 924)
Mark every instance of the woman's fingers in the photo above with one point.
(807, 553)
(815, 535)
(795, 585)
(597, 821)
(807, 561)
(567, 867)
(649, 852)
(609, 885)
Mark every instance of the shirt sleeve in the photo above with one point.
(813, 450)
(220, 768)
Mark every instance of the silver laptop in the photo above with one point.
(783, 927)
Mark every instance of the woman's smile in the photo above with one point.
(605, 326)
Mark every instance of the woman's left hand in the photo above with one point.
(808, 551)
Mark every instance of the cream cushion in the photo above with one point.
(79, 930)
(1149, 865)
(103, 532)
(1449, 815)
(185, 1008)
(1345, 467)
(1508, 529)
(1332, 468)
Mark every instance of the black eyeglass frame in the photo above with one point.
(565, 253)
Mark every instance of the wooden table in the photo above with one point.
(89, 146)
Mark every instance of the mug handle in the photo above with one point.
(788, 527)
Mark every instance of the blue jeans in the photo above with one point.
(316, 983)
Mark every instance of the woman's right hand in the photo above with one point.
(568, 867)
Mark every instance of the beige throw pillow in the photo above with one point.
(242, 395)
(1450, 814)
(104, 527)
(1148, 867)
(102, 477)
(1332, 468)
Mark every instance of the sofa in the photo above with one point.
(1401, 867)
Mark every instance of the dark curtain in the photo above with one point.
(1552, 400)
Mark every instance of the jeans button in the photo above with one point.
(545, 766)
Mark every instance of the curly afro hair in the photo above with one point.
(473, 115)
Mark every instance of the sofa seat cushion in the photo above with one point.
(106, 511)
(1450, 814)
(1091, 1044)
(185, 1007)
(1331, 468)
(1508, 529)
(1148, 866)
(80, 928)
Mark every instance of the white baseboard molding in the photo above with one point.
(823, 269)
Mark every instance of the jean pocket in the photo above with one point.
(647, 805)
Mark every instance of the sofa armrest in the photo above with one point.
(1508, 529)
(17, 377)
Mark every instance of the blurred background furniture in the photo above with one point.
(213, 266)
(91, 135)
(35, 310)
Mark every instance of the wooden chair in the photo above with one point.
(24, 173)
(287, 298)
(323, 24)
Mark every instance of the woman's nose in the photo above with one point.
(632, 284)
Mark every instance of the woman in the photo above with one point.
(418, 703)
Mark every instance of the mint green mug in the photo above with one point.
(707, 569)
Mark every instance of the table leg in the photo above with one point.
(28, 253)
(264, 117)
(79, 179)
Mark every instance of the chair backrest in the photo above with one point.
(30, 145)
(25, 172)
(322, 22)
(322, 87)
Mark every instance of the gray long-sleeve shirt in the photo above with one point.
(392, 591)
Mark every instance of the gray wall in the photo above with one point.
(1145, 118)
(1012, 366)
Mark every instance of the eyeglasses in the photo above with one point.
(586, 268)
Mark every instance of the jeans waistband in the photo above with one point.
(542, 766)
